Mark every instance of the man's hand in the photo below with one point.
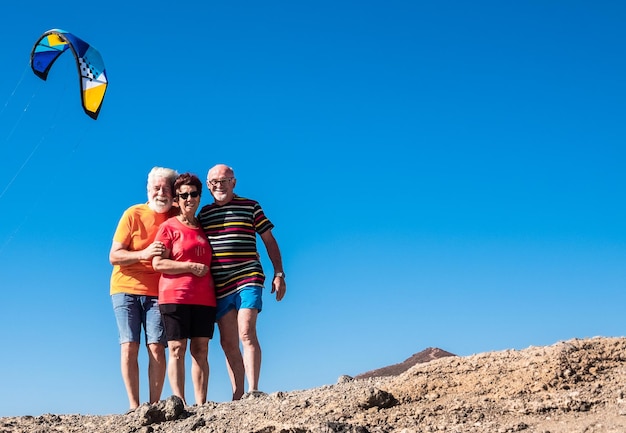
(156, 248)
(280, 287)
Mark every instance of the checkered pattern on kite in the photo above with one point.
(85, 69)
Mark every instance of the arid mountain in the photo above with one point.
(425, 355)
(573, 386)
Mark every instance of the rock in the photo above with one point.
(170, 409)
(345, 378)
(376, 398)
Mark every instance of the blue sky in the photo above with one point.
(440, 174)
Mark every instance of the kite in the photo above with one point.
(93, 79)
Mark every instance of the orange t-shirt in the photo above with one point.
(137, 229)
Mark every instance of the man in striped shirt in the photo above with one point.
(231, 224)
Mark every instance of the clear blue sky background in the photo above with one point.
(441, 174)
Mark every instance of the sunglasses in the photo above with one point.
(193, 194)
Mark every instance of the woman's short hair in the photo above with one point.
(188, 179)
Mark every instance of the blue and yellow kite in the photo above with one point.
(93, 79)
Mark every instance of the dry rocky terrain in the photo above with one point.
(572, 386)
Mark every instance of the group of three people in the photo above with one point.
(177, 271)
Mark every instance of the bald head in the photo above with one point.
(222, 169)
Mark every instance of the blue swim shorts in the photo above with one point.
(248, 297)
(133, 312)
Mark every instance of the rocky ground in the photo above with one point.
(571, 386)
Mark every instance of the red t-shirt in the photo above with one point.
(186, 244)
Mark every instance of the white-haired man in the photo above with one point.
(135, 284)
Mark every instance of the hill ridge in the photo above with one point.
(426, 355)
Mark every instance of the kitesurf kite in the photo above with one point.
(93, 79)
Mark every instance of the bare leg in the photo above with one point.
(251, 347)
(229, 339)
(176, 367)
(156, 370)
(199, 349)
(130, 372)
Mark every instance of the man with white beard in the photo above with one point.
(135, 284)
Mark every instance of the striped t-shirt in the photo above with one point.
(231, 230)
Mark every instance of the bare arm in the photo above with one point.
(121, 255)
(278, 283)
(166, 265)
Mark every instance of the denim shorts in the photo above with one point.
(248, 297)
(133, 312)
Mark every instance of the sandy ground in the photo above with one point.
(568, 387)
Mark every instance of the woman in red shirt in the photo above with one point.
(186, 290)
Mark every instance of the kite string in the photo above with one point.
(22, 113)
(43, 137)
(12, 235)
(15, 89)
(51, 184)
(55, 117)
(6, 140)
(41, 140)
